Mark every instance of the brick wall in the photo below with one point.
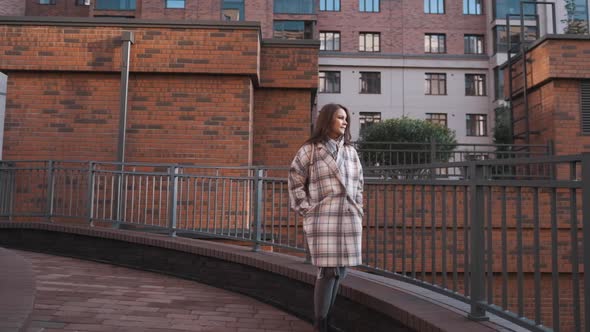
(12, 8)
(67, 107)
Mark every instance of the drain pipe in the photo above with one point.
(127, 39)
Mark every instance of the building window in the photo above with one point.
(435, 43)
(293, 29)
(329, 82)
(370, 82)
(435, 84)
(329, 41)
(434, 6)
(369, 5)
(369, 41)
(477, 125)
(115, 4)
(232, 10)
(472, 7)
(576, 21)
(330, 5)
(437, 118)
(473, 44)
(175, 4)
(83, 2)
(503, 7)
(293, 6)
(498, 83)
(47, 2)
(501, 38)
(475, 84)
(366, 119)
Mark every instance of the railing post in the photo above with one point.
(50, 187)
(90, 194)
(586, 234)
(258, 178)
(172, 197)
(477, 238)
(432, 156)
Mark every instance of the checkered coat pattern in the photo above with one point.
(331, 202)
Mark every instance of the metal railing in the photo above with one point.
(513, 246)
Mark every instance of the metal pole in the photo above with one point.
(477, 239)
(90, 194)
(172, 197)
(586, 234)
(49, 211)
(128, 39)
(258, 175)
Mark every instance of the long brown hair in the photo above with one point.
(324, 122)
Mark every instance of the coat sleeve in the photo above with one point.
(298, 176)
(361, 183)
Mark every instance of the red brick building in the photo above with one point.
(205, 93)
(556, 105)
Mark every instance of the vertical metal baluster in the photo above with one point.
(574, 251)
(490, 248)
(537, 246)
(216, 200)
(385, 230)
(132, 198)
(443, 229)
(160, 202)
(366, 259)
(245, 209)
(555, 261)
(223, 212)
(272, 216)
(404, 230)
(153, 199)
(455, 257)
(376, 226)
(413, 230)
(393, 230)
(519, 262)
(281, 226)
(237, 207)
(466, 240)
(423, 235)
(504, 253)
(433, 233)
(229, 206)
(112, 199)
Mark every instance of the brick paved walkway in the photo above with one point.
(77, 295)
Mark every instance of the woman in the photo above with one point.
(325, 186)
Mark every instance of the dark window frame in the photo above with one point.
(430, 37)
(475, 122)
(438, 118)
(478, 4)
(441, 81)
(374, 3)
(438, 9)
(324, 80)
(131, 5)
(46, 2)
(306, 33)
(324, 5)
(305, 7)
(475, 85)
(370, 82)
(472, 41)
(373, 36)
(324, 41)
(166, 4)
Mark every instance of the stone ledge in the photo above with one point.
(367, 303)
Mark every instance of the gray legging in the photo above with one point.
(326, 288)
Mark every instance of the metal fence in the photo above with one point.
(514, 246)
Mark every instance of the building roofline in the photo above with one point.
(125, 22)
(541, 40)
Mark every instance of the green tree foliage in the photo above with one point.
(573, 25)
(405, 141)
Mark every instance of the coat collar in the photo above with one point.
(325, 155)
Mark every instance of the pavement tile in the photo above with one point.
(84, 296)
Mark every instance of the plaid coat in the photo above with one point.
(332, 210)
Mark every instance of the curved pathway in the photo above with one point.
(78, 295)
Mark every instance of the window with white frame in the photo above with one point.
(437, 118)
(475, 85)
(370, 82)
(435, 43)
(369, 41)
(476, 125)
(329, 82)
(435, 84)
(329, 41)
